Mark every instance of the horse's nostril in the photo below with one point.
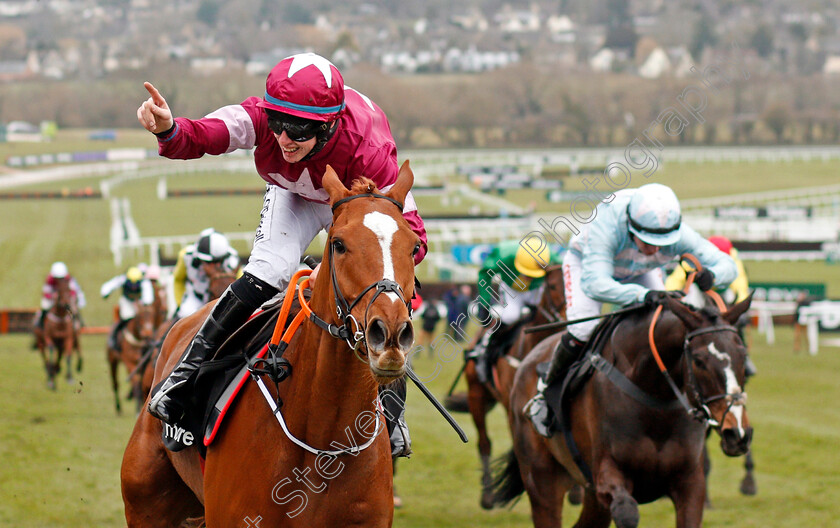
(406, 336)
(376, 334)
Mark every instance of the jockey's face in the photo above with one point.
(645, 248)
(294, 151)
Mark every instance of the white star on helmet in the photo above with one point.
(303, 60)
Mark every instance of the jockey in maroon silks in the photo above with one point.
(49, 291)
(306, 119)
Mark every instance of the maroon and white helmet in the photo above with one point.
(58, 270)
(305, 85)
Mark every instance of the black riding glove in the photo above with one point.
(705, 279)
(657, 297)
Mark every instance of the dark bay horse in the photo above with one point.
(134, 340)
(282, 474)
(634, 449)
(482, 397)
(60, 335)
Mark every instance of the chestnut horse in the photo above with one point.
(134, 340)
(257, 471)
(482, 397)
(638, 425)
(60, 335)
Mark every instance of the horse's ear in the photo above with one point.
(333, 186)
(732, 315)
(405, 179)
(689, 317)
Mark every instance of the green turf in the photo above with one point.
(61, 451)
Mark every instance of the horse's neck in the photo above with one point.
(631, 352)
(61, 309)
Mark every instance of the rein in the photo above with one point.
(700, 412)
(279, 368)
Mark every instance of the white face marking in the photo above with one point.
(732, 386)
(384, 227)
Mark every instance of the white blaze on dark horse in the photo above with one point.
(626, 434)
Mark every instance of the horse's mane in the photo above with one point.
(711, 313)
(363, 185)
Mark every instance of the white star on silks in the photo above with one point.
(303, 60)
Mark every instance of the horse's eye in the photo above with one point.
(338, 246)
(416, 249)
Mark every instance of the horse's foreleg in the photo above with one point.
(478, 400)
(153, 492)
(113, 363)
(748, 486)
(612, 492)
(593, 514)
(49, 366)
(707, 468)
(78, 351)
(689, 496)
(68, 354)
(544, 480)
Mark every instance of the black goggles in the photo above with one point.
(297, 130)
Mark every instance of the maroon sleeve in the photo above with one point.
(193, 138)
(416, 223)
(380, 165)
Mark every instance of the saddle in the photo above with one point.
(558, 394)
(219, 381)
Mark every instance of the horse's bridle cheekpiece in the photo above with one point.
(351, 330)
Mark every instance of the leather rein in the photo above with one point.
(700, 411)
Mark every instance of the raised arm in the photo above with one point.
(154, 114)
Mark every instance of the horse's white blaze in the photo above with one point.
(732, 386)
(384, 227)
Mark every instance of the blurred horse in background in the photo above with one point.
(134, 341)
(220, 279)
(482, 397)
(60, 335)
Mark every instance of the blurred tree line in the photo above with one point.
(520, 106)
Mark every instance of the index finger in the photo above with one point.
(156, 97)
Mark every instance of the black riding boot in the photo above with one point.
(113, 342)
(489, 350)
(566, 353)
(393, 402)
(237, 303)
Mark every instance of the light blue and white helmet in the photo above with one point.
(654, 215)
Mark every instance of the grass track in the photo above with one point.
(61, 451)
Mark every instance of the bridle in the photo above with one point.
(351, 330)
(270, 360)
(701, 411)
